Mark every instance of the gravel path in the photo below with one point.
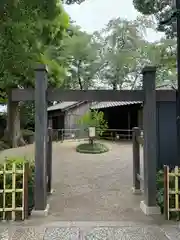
(94, 187)
(91, 187)
(92, 199)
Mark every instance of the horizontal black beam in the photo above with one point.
(95, 95)
(92, 95)
(165, 95)
(80, 95)
(23, 94)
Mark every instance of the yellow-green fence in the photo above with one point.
(171, 191)
(14, 191)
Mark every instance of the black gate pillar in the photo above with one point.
(40, 193)
(149, 205)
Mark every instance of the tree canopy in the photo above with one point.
(161, 10)
(28, 29)
(68, 2)
(112, 58)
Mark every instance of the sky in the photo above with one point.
(93, 15)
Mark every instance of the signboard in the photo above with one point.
(173, 3)
(92, 132)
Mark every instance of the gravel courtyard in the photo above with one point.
(94, 187)
(91, 187)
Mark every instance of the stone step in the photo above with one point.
(83, 231)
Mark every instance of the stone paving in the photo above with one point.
(90, 189)
(128, 232)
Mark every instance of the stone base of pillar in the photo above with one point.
(51, 192)
(150, 210)
(40, 213)
(136, 191)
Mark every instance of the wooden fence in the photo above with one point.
(138, 140)
(14, 188)
(14, 191)
(171, 191)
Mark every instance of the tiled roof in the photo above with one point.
(61, 106)
(166, 87)
(112, 104)
(101, 105)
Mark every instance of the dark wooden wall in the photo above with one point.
(167, 134)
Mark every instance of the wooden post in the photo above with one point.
(49, 160)
(150, 141)
(136, 161)
(40, 138)
(166, 192)
(26, 194)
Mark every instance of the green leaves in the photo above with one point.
(68, 2)
(120, 42)
(94, 119)
(161, 10)
(28, 29)
(124, 52)
(80, 56)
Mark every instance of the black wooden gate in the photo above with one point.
(148, 95)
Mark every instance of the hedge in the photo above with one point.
(94, 148)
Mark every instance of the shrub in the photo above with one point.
(27, 132)
(4, 145)
(92, 148)
(160, 190)
(93, 119)
(27, 135)
(19, 183)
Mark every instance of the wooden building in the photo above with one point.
(126, 115)
(65, 115)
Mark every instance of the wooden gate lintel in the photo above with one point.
(92, 95)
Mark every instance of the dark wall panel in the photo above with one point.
(166, 135)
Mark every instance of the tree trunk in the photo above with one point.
(13, 133)
(114, 85)
(91, 141)
(78, 75)
(135, 81)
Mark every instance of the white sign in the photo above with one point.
(92, 132)
(173, 4)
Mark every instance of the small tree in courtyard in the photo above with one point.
(94, 119)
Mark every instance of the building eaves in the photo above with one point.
(61, 106)
(101, 105)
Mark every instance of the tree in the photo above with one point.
(166, 59)
(161, 10)
(80, 56)
(124, 52)
(68, 2)
(94, 119)
(160, 54)
(121, 41)
(27, 114)
(28, 30)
